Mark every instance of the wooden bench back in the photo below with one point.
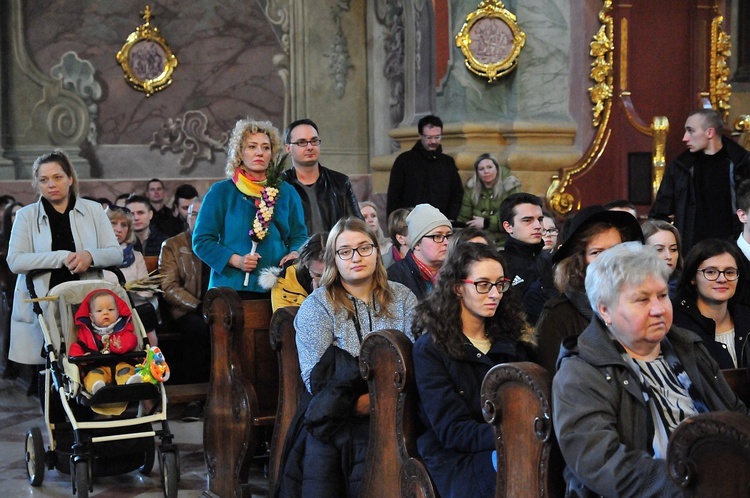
(516, 400)
(709, 455)
(243, 387)
(152, 263)
(283, 341)
(391, 468)
(738, 381)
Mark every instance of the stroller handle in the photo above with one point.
(35, 273)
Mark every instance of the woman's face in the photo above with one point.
(665, 244)
(601, 242)
(549, 233)
(474, 303)
(487, 172)
(120, 226)
(641, 317)
(359, 269)
(371, 217)
(256, 155)
(720, 290)
(54, 183)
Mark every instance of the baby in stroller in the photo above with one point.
(105, 326)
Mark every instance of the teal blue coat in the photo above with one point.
(223, 227)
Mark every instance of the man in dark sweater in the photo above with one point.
(424, 175)
(698, 188)
(522, 218)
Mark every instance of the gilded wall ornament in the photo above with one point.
(491, 40)
(721, 49)
(562, 196)
(146, 59)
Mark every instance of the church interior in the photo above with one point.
(583, 100)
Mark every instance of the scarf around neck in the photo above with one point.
(247, 185)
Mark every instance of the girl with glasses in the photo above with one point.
(468, 324)
(707, 302)
(354, 299)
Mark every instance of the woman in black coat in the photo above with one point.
(469, 325)
(706, 301)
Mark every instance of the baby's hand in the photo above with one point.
(114, 342)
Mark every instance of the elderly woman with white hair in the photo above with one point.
(629, 379)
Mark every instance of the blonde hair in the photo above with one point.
(118, 214)
(242, 129)
(331, 278)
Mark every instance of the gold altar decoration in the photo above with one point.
(659, 129)
(146, 59)
(491, 40)
(561, 197)
(719, 90)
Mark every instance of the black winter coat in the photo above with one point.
(676, 194)
(336, 198)
(687, 316)
(407, 272)
(420, 176)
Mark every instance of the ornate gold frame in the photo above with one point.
(561, 195)
(155, 62)
(491, 11)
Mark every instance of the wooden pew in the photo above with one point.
(391, 467)
(709, 455)
(243, 387)
(282, 335)
(516, 400)
(737, 380)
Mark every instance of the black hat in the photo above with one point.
(625, 222)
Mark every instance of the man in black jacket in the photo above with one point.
(698, 187)
(326, 195)
(424, 175)
(522, 218)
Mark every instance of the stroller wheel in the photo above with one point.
(148, 460)
(169, 474)
(35, 456)
(82, 478)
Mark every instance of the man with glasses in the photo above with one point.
(429, 231)
(425, 175)
(327, 195)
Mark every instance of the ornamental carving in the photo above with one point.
(146, 59)
(562, 196)
(491, 40)
(721, 49)
(188, 135)
(390, 13)
(77, 75)
(339, 61)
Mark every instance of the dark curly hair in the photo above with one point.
(440, 313)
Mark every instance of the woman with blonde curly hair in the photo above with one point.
(239, 205)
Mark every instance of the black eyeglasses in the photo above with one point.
(550, 231)
(348, 252)
(485, 286)
(303, 143)
(713, 274)
(438, 238)
(125, 210)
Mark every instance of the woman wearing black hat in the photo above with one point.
(592, 231)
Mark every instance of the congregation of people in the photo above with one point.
(634, 314)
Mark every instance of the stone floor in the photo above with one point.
(19, 413)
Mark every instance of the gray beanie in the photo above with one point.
(421, 220)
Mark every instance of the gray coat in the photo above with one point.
(602, 422)
(30, 248)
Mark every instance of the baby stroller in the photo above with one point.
(82, 442)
